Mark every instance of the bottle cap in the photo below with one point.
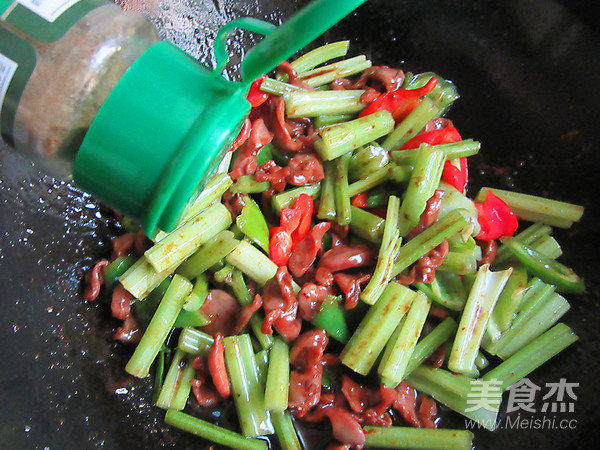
(165, 127)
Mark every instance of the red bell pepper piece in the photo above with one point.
(434, 137)
(451, 174)
(294, 226)
(399, 102)
(359, 200)
(280, 246)
(255, 96)
(454, 176)
(495, 218)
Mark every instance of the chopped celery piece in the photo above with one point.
(337, 140)
(185, 240)
(323, 103)
(537, 209)
(157, 331)
(475, 316)
(369, 339)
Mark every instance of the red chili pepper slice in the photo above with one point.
(304, 205)
(495, 218)
(434, 137)
(255, 96)
(451, 174)
(280, 246)
(399, 102)
(359, 200)
(454, 176)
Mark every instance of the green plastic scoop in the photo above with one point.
(167, 124)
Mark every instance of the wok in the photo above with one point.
(528, 75)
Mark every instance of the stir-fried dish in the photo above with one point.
(338, 276)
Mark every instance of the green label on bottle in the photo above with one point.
(17, 61)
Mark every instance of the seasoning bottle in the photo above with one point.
(59, 60)
(141, 124)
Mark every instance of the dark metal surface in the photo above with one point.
(528, 75)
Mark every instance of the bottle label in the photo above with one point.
(49, 10)
(7, 70)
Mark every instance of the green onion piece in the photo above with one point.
(532, 356)
(326, 121)
(369, 339)
(327, 203)
(248, 394)
(212, 192)
(330, 318)
(157, 331)
(417, 438)
(246, 184)
(186, 239)
(278, 87)
(536, 209)
(459, 263)
(446, 289)
(423, 182)
(340, 189)
(475, 316)
(427, 240)
(411, 125)
(285, 431)
(278, 377)
(368, 182)
(430, 343)
(388, 251)
(547, 269)
(141, 278)
(115, 269)
(320, 55)
(529, 235)
(533, 323)
(430, 382)
(326, 74)
(195, 342)
(323, 103)
(348, 136)
(460, 149)
(399, 351)
(287, 198)
(366, 225)
(253, 224)
(176, 388)
(208, 255)
(213, 433)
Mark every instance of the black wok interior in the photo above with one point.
(528, 75)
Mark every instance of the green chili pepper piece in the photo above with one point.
(548, 270)
(253, 224)
(115, 269)
(331, 319)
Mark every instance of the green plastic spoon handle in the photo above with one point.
(295, 33)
